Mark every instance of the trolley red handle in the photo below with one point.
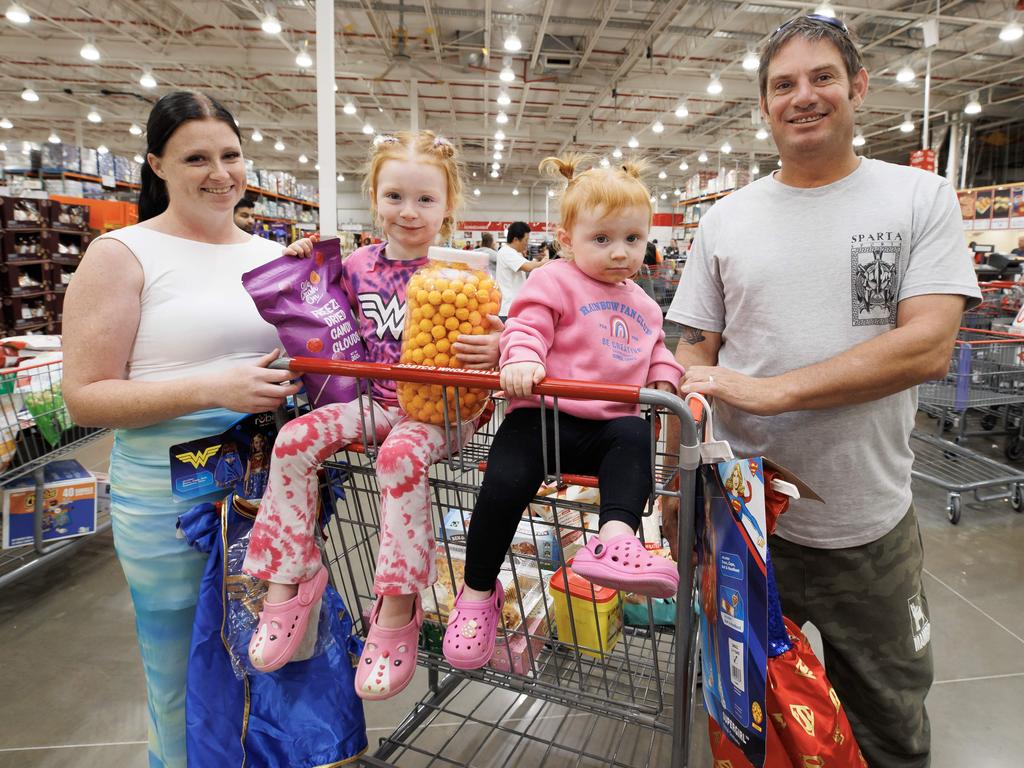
(460, 377)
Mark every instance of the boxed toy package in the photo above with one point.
(68, 505)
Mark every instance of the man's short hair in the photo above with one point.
(813, 29)
(517, 230)
(245, 202)
(487, 240)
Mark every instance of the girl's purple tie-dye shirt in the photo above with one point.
(375, 286)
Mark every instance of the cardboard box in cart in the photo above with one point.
(69, 505)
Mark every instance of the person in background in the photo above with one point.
(163, 344)
(245, 215)
(833, 398)
(1018, 252)
(513, 266)
(487, 246)
(651, 254)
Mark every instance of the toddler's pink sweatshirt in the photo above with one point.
(581, 328)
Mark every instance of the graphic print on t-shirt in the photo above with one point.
(874, 277)
(389, 318)
(616, 335)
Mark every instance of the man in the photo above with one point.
(812, 302)
(513, 266)
(487, 246)
(1018, 252)
(245, 216)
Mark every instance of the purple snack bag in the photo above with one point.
(304, 300)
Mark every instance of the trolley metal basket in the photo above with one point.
(35, 428)
(624, 701)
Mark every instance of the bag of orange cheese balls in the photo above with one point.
(451, 295)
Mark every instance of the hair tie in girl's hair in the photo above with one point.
(444, 146)
(386, 139)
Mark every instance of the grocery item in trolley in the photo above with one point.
(452, 294)
(590, 617)
(304, 300)
(68, 506)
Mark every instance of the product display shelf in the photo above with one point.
(690, 208)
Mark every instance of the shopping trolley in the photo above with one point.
(605, 681)
(35, 428)
(660, 281)
(986, 372)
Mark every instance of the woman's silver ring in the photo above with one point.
(711, 379)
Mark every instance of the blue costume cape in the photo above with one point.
(304, 715)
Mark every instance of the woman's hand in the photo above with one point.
(251, 388)
(519, 379)
(480, 352)
(300, 249)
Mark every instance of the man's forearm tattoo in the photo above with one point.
(692, 335)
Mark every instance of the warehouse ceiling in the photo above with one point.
(589, 76)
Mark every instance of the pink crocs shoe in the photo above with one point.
(389, 656)
(282, 626)
(624, 564)
(473, 629)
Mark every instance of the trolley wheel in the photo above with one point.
(989, 421)
(1017, 498)
(947, 423)
(953, 508)
(1014, 448)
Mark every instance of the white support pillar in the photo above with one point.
(326, 118)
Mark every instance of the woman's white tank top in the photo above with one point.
(196, 318)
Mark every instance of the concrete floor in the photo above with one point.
(74, 689)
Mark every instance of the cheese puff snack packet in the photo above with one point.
(304, 300)
(451, 295)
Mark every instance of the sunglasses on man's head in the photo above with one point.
(830, 20)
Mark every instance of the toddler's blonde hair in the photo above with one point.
(421, 146)
(605, 189)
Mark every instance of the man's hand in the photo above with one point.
(761, 397)
(670, 522)
(518, 379)
(481, 351)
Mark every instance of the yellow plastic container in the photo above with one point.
(596, 614)
(451, 295)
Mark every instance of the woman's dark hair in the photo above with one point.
(170, 113)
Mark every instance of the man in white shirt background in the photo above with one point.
(513, 266)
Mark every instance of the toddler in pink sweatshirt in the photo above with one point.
(581, 317)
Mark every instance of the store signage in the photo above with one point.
(923, 159)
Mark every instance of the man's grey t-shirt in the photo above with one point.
(791, 277)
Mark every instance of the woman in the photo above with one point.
(162, 343)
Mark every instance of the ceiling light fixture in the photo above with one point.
(499, 146)
(617, 153)
(677, 192)
(501, 118)
(751, 61)
(604, 162)
(476, 192)
(53, 138)
(908, 124)
(714, 86)
(303, 159)
(147, 80)
(138, 158)
(499, 135)
(270, 25)
(504, 99)
(29, 95)
(633, 143)
(973, 106)
(662, 175)
(94, 116)
(506, 75)
(515, 191)
(136, 130)
(761, 134)
(367, 129)
(551, 193)
(494, 174)
(349, 108)
(256, 135)
(726, 148)
(495, 166)
(102, 149)
(663, 196)
(303, 59)
(6, 125)
(17, 15)
(755, 169)
(497, 155)
(341, 177)
(658, 126)
(702, 157)
(905, 75)
(682, 111)
(279, 145)
(859, 140)
(90, 52)
(825, 10)
(316, 166)
(684, 166)
(513, 43)
(1012, 31)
